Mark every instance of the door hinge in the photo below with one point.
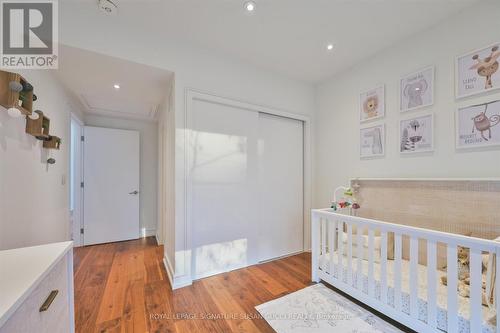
(82, 185)
(82, 138)
(82, 231)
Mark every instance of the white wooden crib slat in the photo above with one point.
(431, 283)
(414, 277)
(331, 245)
(371, 283)
(315, 237)
(349, 254)
(359, 242)
(340, 251)
(323, 243)
(397, 271)
(383, 268)
(475, 289)
(452, 275)
(497, 288)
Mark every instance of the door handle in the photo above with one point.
(134, 193)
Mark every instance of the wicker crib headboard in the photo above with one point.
(457, 206)
(460, 206)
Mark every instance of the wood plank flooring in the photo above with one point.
(123, 287)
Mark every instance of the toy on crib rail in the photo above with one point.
(348, 200)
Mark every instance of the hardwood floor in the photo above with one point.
(123, 287)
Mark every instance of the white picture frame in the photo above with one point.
(372, 104)
(468, 82)
(416, 134)
(372, 141)
(416, 90)
(473, 131)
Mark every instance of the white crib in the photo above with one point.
(350, 253)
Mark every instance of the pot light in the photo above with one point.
(250, 6)
(329, 47)
(116, 86)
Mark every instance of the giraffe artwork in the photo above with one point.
(478, 71)
(372, 141)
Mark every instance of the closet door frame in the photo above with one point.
(195, 95)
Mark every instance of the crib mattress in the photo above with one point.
(441, 291)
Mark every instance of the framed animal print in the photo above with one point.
(478, 125)
(372, 141)
(372, 104)
(416, 135)
(477, 71)
(417, 90)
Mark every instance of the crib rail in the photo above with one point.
(342, 244)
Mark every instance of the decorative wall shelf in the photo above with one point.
(16, 92)
(53, 142)
(39, 128)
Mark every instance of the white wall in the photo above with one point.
(166, 179)
(338, 111)
(34, 197)
(149, 164)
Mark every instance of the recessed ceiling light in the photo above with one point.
(116, 86)
(250, 6)
(329, 47)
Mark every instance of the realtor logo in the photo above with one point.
(29, 34)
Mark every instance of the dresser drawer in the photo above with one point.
(56, 319)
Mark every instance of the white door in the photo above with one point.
(111, 179)
(223, 206)
(281, 189)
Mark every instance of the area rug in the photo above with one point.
(318, 309)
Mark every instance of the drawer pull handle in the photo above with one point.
(45, 306)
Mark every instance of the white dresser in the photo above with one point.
(36, 289)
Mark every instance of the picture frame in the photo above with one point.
(416, 134)
(474, 75)
(478, 126)
(372, 141)
(416, 90)
(372, 104)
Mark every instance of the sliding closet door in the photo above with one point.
(281, 189)
(223, 205)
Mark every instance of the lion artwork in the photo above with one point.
(370, 107)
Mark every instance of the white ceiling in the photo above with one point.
(91, 76)
(285, 36)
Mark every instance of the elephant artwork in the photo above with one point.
(417, 90)
(414, 92)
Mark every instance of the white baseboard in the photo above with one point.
(147, 232)
(175, 282)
